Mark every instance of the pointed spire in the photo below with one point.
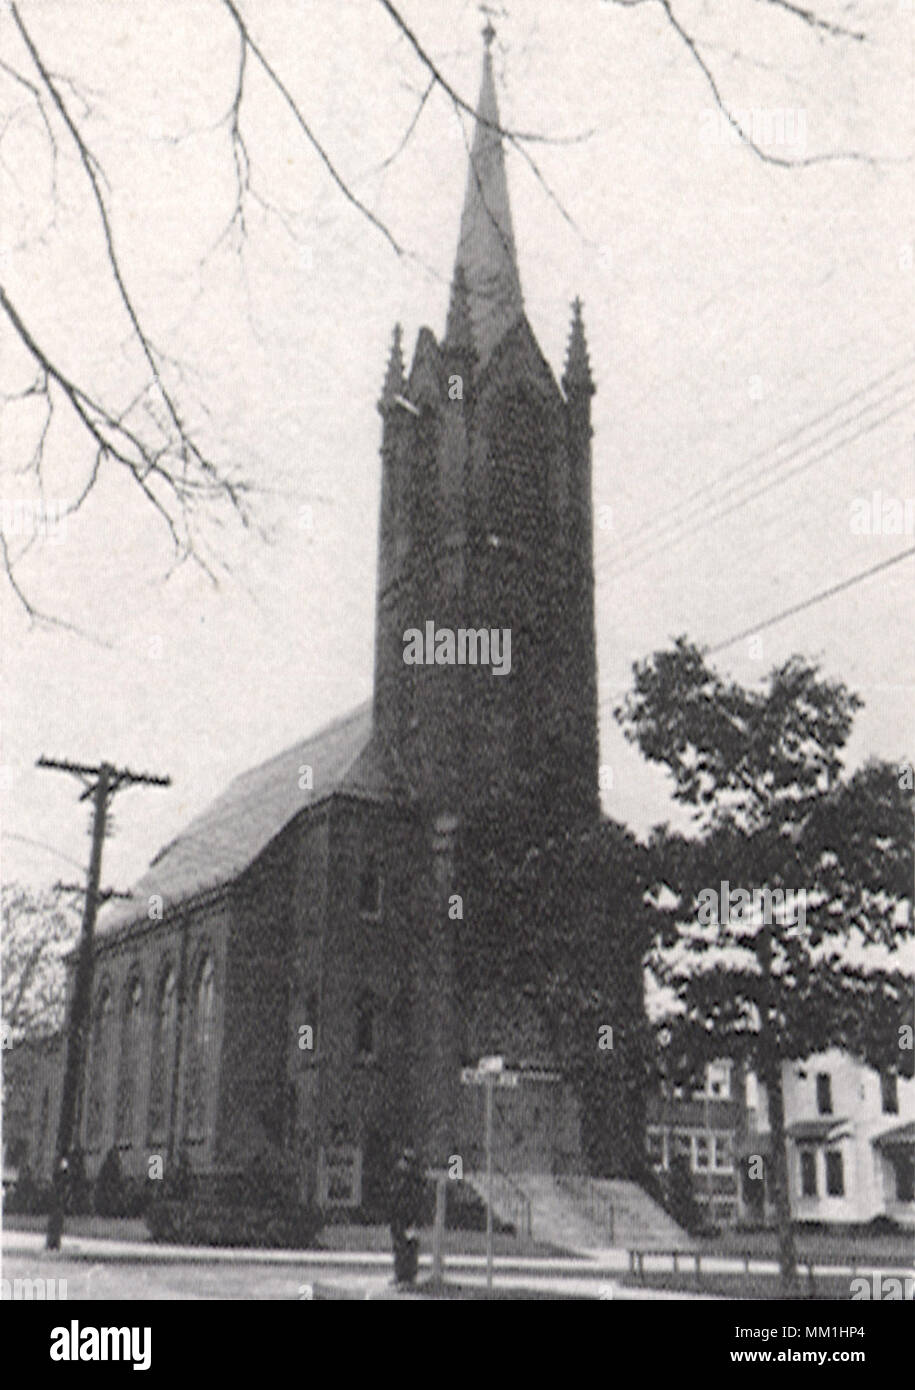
(577, 375)
(486, 247)
(394, 381)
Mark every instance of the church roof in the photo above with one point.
(486, 246)
(219, 844)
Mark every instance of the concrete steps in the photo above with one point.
(583, 1213)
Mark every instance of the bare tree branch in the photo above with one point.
(827, 26)
(517, 139)
(250, 45)
(806, 16)
(780, 161)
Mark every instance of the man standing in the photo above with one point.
(406, 1210)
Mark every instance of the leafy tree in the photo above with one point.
(38, 929)
(760, 982)
(561, 925)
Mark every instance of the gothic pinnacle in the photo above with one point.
(394, 381)
(577, 375)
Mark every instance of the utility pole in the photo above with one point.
(101, 783)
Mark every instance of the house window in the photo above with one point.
(131, 1020)
(808, 1173)
(201, 1045)
(366, 1021)
(824, 1093)
(656, 1148)
(682, 1144)
(718, 1080)
(889, 1093)
(724, 1153)
(904, 1164)
(703, 1151)
(163, 1055)
(100, 1054)
(835, 1178)
(370, 890)
(723, 1213)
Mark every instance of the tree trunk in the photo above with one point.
(772, 1070)
(787, 1251)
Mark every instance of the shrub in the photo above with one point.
(110, 1198)
(208, 1222)
(27, 1197)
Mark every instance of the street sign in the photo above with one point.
(470, 1076)
(491, 1064)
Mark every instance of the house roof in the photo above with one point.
(900, 1136)
(219, 844)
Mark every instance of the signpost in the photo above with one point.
(489, 1072)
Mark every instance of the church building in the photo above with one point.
(287, 972)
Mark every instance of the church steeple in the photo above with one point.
(486, 246)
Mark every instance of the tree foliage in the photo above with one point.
(39, 927)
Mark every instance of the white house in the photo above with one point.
(850, 1139)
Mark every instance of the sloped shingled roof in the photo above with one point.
(219, 844)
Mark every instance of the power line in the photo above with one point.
(41, 844)
(675, 540)
(788, 612)
(730, 477)
(815, 598)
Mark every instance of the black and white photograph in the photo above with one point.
(457, 766)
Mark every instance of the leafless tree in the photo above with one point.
(152, 435)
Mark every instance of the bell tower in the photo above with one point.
(486, 524)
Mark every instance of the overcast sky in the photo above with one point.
(750, 329)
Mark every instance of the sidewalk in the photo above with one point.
(582, 1271)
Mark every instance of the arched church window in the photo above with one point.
(366, 1025)
(100, 1059)
(370, 889)
(202, 1030)
(129, 1059)
(165, 1023)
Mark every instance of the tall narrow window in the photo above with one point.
(131, 1022)
(808, 1173)
(163, 1056)
(889, 1093)
(904, 1165)
(824, 1093)
(835, 1177)
(201, 1047)
(100, 1060)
